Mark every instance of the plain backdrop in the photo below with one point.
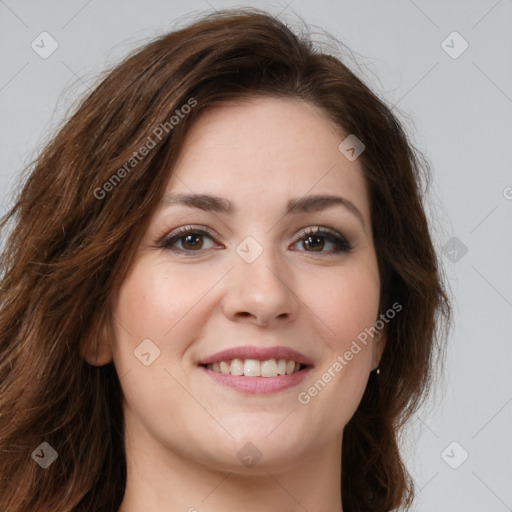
(446, 68)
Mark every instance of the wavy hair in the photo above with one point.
(80, 214)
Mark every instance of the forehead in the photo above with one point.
(267, 148)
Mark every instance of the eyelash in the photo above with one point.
(341, 243)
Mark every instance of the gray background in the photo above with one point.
(458, 111)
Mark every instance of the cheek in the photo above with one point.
(349, 307)
(348, 313)
(158, 314)
(152, 302)
(152, 320)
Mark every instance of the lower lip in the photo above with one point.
(258, 384)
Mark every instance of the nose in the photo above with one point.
(260, 292)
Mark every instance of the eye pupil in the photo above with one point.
(188, 237)
(314, 245)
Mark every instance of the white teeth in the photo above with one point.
(269, 368)
(255, 368)
(252, 368)
(237, 367)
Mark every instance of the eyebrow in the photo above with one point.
(298, 205)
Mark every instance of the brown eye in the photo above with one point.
(191, 239)
(316, 243)
(315, 239)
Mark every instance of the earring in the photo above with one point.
(377, 371)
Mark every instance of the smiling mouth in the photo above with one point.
(256, 368)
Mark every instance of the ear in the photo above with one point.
(96, 349)
(379, 344)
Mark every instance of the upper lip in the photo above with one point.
(258, 353)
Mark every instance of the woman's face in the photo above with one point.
(257, 286)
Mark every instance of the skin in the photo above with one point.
(184, 430)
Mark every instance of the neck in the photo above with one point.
(159, 480)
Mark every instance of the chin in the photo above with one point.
(260, 449)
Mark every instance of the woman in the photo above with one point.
(220, 290)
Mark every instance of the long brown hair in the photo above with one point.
(78, 219)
